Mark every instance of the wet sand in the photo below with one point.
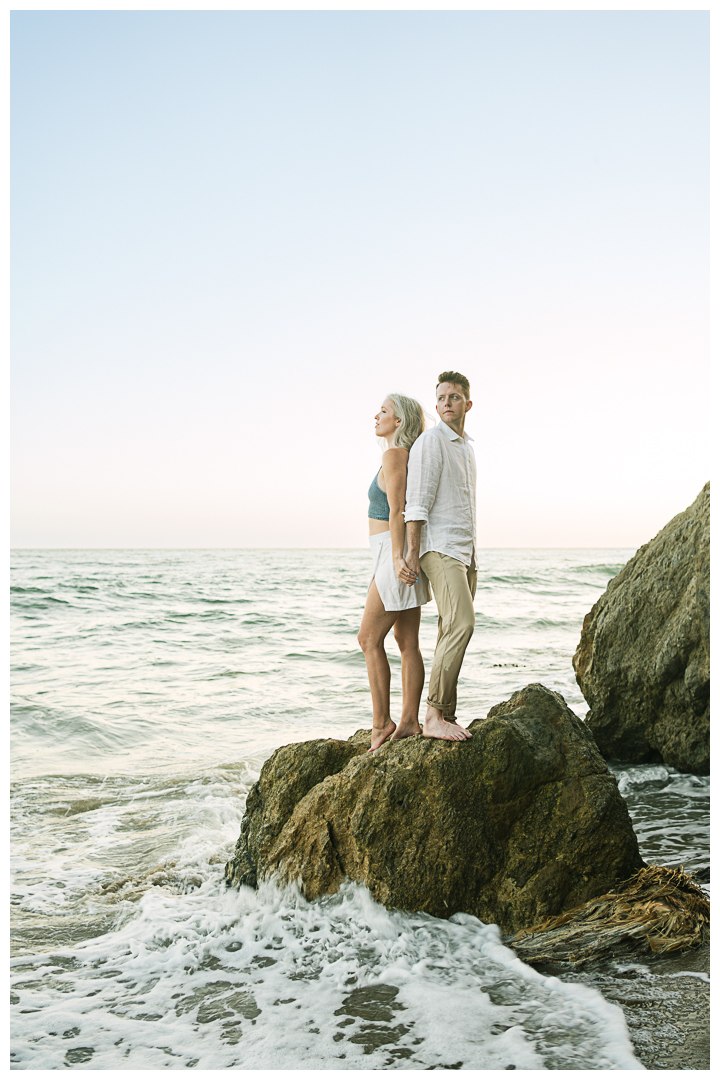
(672, 1030)
(667, 1012)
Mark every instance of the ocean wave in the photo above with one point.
(47, 599)
(601, 569)
(173, 616)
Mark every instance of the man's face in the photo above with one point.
(451, 403)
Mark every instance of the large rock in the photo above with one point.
(643, 662)
(520, 822)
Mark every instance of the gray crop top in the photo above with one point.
(379, 505)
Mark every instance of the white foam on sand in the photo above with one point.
(219, 978)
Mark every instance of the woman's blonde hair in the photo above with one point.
(410, 413)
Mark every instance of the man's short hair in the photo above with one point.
(458, 379)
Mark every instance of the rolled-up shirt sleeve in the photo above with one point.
(424, 468)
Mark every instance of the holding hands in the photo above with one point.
(406, 574)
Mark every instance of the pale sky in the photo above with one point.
(233, 233)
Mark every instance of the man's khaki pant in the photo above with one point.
(453, 586)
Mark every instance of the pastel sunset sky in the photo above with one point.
(234, 232)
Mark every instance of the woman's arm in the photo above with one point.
(394, 465)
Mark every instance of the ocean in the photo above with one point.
(148, 687)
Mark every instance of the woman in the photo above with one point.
(395, 594)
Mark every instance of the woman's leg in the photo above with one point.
(374, 628)
(407, 628)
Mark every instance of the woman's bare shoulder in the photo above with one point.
(395, 457)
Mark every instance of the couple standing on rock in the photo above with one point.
(422, 534)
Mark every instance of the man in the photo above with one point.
(440, 520)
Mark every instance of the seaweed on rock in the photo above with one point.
(657, 910)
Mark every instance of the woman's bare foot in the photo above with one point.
(405, 729)
(379, 737)
(435, 727)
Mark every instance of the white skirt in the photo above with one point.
(395, 595)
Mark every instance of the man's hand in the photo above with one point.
(412, 562)
(412, 555)
(404, 572)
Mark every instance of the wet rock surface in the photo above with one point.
(643, 658)
(522, 821)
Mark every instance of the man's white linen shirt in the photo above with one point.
(441, 492)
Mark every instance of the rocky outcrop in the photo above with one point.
(643, 662)
(521, 822)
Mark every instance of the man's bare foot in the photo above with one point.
(435, 727)
(379, 737)
(405, 729)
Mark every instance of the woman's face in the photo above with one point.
(385, 420)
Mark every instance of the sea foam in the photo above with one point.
(218, 978)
